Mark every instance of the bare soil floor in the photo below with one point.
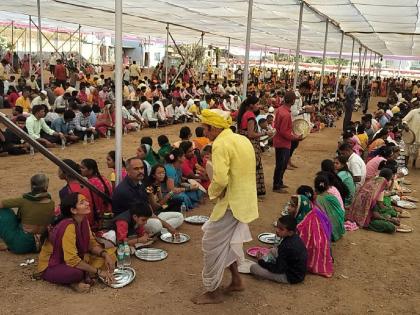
(374, 273)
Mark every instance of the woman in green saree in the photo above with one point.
(331, 206)
(21, 231)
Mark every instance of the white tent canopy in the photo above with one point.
(274, 24)
(389, 27)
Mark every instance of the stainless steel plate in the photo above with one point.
(268, 238)
(197, 219)
(122, 277)
(181, 238)
(151, 254)
(406, 204)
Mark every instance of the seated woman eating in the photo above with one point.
(190, 167)
(290, 262)
(21, 232)
(190, 195)
(70, 255)
(368, 209)
(331, 206)
(156, 184)
(314, 228)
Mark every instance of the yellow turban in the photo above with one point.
(216, 118)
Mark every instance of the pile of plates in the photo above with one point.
(406, 204)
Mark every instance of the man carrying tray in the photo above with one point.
(234, 186)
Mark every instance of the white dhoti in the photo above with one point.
(413, 150)
(222, 246)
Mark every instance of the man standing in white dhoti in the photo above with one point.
(234, 185)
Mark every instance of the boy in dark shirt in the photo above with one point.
(290, 264)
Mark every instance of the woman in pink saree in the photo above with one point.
(315, 231)
(25, 66)
(106, 120)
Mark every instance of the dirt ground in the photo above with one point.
(374, 273)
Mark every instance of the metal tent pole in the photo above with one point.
(167, 55)
(359, 68)
(13, 41)
(298, 46)
(118, 90)
(41, 63)
(228, 54)
(337, 79)
(91, 55)
(80, 47)
(364, 68)
(247, 45)
(321, 83)
(370, 65)
(30, 46)
(351, 62)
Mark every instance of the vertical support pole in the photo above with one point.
(247, 45)
(298, 47)
(41, 62)
(13, 41)
(337, 79)
(80, 47)
(118, 89)
(30, 46)
(91, 55)
(359, 68)
(167, 55)
(364, 68)
(370, 65)
(321, 83)
(201, 63)
(228, 54)
(56, 38)
(351, 62)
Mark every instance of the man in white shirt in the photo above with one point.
(41, 99)
(32, 83)
(355, 164)
(62, 101)
(144, 104)
(53, 62)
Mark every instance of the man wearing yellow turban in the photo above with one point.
(233, 185)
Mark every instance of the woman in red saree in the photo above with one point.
(89, 169)
(70, 253)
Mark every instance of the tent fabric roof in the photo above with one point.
(275, 23)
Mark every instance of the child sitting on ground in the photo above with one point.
(290, 262)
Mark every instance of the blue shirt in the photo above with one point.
(126, 194)
(204, 105)
(59, 125)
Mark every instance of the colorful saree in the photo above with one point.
(348, 181)
(331, 206)
(315, 232)
(366, 202)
